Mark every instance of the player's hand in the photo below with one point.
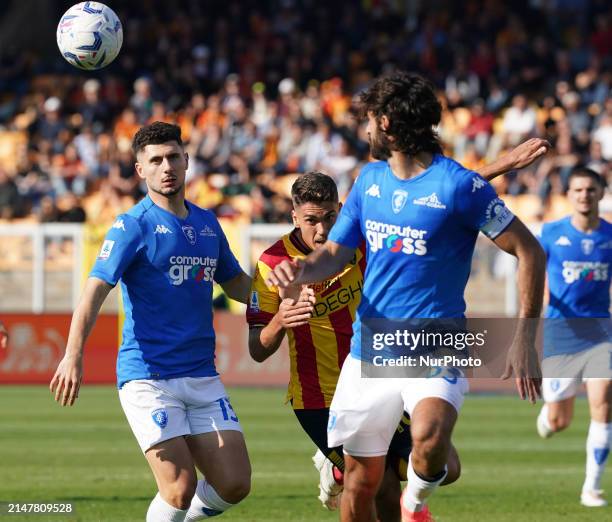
(296, 306)
(526, 153)
(67, 380)
(4, 337)
(285, 273)
(522, 361)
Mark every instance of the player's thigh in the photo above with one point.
(599, 392)
(173, 468)
(223, 459)
(314, 423)
(153, 411)
(364, 412)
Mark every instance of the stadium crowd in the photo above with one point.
(263, 91)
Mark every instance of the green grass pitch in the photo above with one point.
(88, 455)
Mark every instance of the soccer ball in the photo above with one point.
(89, 35)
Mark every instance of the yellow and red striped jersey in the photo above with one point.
(316, 350)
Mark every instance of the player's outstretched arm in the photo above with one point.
(520, 157)
(294, 310)
(237, 288)
(67, 379)
(522, 357)
(321, 264)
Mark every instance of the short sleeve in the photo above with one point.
(542, 237)
(478, 206)
(263, 300)
(347, 229)
(120, 246)
(227, 266)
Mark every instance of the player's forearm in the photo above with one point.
(497, 168)
(85, 316)
(531, 279)
(264, 341)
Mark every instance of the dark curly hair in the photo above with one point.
(156, 133)
(410, 104)
(314, 187)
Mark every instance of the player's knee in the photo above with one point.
(430, 443)
(362, 487)
(235, 489)
(180, 492)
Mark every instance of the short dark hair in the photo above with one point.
(410, 103)
(156, 133)
(585, 172)
(314, 187)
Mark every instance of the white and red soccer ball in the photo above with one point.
(89, 35)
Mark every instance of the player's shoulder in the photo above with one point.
(370, 172)
(277, 252)
(605, 227)
(554, 227)
(454, 172)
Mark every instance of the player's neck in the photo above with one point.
(406, 167)
(585, 222)
(174, 204)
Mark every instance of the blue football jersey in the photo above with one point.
(578, 267)
(420, 235)
(166, 266)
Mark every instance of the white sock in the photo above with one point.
(206, 503)
(417, 490)
(544, 417)
(597, 449)
(161, 511)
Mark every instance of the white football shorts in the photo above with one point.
(563, 374)
(158, 410)
(364, 412)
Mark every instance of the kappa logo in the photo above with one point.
(160, 417)
(190, 234)
(563, 241)
(373, 191)
(477, 183)
(587, 246)
(398, 200)
(431, 201)
(207, 232)
(119, 224)
(162, 229)
(106, 249)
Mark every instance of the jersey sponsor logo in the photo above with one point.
(162, 229)
(338, 299)
(254, 301)
(106, 249)
(197, 268)
(398, 200)
(190, 234)
(207, 232)
(119, 224)
(606, 246)
(373, 191)
(160, 417)
(563, 241)
(587, 246)
(584, 271)
(431, 201)
(477, 183)
(395, 238)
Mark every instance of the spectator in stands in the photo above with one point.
(10, 200)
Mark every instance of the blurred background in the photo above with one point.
(262, 91)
